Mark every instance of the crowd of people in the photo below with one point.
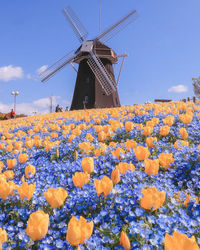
(60, 108)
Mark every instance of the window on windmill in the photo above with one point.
(86, 99)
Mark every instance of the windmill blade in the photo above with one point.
(76, 24)
(48, 73)
(110, 32)
(101, 74)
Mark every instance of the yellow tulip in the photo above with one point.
(85, 146)
(165, 159)
(1, 165)
(11, 163)
(164, 130)
(186, 118)
(87, 165)
(152, 198)
(104, 185)
(179, 143)
(29, 170)
(80, 179)
(5, 190)
(115, 176)
(141, 153)
(3, 236)
(124, 241)
(129, 126)
(151, 166)
(26, 190)
(2, 178)
(130, 144)
(9, 147)
(29, 143)
(169, 120)
(71, 137)
(37, 225)
(89, 137)
(101, 136)
(151, 141)
(78, 231)
(183, 132)
(147, 130)
(9, 174)
(180, 241)
(124, 166)
(56, 196)
(22, 158)
(118, 152)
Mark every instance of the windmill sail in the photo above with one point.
(116, 28)
(49, 72)
(76, 24)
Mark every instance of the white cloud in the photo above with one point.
(8, 73)
(40, 106)
(41, 69)
(45, 102)
(4, 108)
(178, 89)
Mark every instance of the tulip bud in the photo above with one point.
(104, 185)
(56, 196)
(37, 225)
(141, 153)
(118, 152)
(9, 147)
(151, 141)
(26, 190)
(11, 163)
(78, 231)
(80, 179)
(115, 176)
(130, 144)
(1, 165)
(29, 170)
(152, 198)
(9, 174)
(87, 165)
(22, 158)
(147, 130)
(124, 241)
(183, 133)
(169, 120)
(151, 166)
(129, 126)
(3, 236)
(124, 166)
(5, 190)
(180, 240)
(164, 130)
(165, 159)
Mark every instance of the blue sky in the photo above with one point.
(163, 46)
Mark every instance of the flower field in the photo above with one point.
(118, 178)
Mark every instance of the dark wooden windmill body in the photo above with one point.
(95, 86)
(88, 92)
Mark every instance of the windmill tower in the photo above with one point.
(96, 86)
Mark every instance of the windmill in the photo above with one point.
(95, 86)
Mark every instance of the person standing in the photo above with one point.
(12, 114)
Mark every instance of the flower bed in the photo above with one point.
(102, 179)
